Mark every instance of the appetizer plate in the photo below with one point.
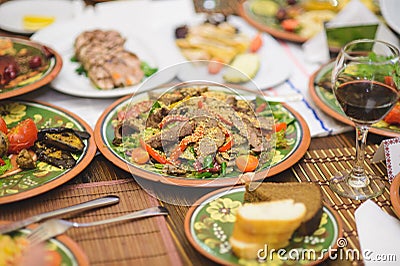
(267, 24)
(395, 195)
(60, 248)
(326, 101)
(29, 183)
(38, 80)
(62, 36)
(209, 224)
(275, 66)
(297, 136)
(12, 13)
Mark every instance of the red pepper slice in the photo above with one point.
(2, 162)
(153, 153)
(227, 145)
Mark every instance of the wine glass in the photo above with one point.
(365, 82)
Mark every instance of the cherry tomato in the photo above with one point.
(246, 163)
(3, 126)
(140, 156)
(22, 136)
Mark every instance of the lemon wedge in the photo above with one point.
(37, 22)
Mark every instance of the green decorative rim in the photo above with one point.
(326, 100)
(209, 224)
(298, 139)
(44, 177)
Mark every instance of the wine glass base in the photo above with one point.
(339, 184)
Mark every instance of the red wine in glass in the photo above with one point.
(366, 101)
(366, 79)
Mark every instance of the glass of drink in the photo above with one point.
(366, 79)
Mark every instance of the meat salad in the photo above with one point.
(196, 132)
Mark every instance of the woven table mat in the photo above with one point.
(141, 242)
(320, 165)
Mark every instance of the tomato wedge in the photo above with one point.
(22, 136)
(3, 126)
(246, 163)
(140, 155)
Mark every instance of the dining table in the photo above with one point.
(163, 240)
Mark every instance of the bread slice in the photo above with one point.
(239, 234)
(250, 250)
(272, 217)
(307, 193)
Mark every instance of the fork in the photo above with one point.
(54, 227)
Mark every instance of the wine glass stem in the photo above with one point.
(358, 178)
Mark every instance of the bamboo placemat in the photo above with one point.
(320, 165)
(141, 242)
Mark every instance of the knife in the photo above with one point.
(100, 202)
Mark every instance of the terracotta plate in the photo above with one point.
(395, 194)
(325, 100)
(41, 78)
(266, 24)
(44, 177)
(298, 137)
(209, 224)
(61, 248)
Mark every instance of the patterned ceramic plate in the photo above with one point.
(33, 79)
(297, 135)
(325, 100)
(60, 250)
(209, 224)
(44, 177)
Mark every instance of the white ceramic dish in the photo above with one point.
(61, 37)
(390, 10)
(13, 12)
(275, 65)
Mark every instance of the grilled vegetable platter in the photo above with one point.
(320, 88)
(41, 147)
(195, 134)
(25, 66)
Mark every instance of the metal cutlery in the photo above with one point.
(96, 203)
(54, 227)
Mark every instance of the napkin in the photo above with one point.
(354, 13)
(379, 235)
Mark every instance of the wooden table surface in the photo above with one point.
(100, 169)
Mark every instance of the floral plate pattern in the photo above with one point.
(209, 224)
(44, 177)
(326, 100)
(298, 139)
